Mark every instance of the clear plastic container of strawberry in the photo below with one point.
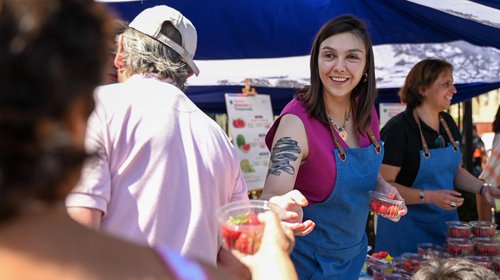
(496, 264)
(459, 246)
(377, 259)
(483, 228)
(240, 227)
(429, 250)
(382, 205)
(484, 246)
(243, 233)
(458, 229)
(484, 261)
(410, 262)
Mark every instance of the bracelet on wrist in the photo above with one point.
(481, 190)
(421, 196)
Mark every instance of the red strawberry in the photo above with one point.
(229, 235)
(374, 205)
(243, 243)
(393, 209)
(407, 266)
(383, 254)
(382, 209)
(248, 242)
(252, 219)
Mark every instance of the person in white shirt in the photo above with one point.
(162, 165)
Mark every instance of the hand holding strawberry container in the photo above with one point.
(240, 227)
(383, 205)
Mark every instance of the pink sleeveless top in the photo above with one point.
(316, 176)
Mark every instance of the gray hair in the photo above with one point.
(452, 269)
(145, 55)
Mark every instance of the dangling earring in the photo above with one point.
(366, 77)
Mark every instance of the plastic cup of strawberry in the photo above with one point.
(482, 260)
(496, 263)
(484, 246)
(459, 246)
(382, 205)
(239, 225)
(410, 262)
(397, 276)
(483, 228)
(428, 250)
(458, 229)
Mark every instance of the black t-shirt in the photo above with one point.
(402, 143)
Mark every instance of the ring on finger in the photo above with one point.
(453, 204)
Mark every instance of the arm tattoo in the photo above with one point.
(284, 151)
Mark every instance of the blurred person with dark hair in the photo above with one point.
(452, 269)
(52, 54)
(61, 49)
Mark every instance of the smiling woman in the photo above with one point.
(328, 128)
(423, 159)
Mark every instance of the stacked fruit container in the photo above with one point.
(458, 242)
(474, 241)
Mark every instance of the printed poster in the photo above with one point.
(249, 119)
(389, 110)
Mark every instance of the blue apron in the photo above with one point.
(337, 247)
(424, 223)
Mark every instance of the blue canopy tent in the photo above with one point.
(237, 32)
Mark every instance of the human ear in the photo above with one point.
(423, 91)
(119, 57)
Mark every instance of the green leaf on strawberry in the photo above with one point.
(244, 219)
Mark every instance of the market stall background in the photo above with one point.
(269, 42)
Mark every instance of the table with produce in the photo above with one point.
(476, 241)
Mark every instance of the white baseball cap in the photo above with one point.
(150, 21)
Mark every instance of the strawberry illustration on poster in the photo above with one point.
(249, 119)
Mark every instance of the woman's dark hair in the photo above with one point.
(52, 54)
(423, 74)
(363, 95)
(496, 122)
